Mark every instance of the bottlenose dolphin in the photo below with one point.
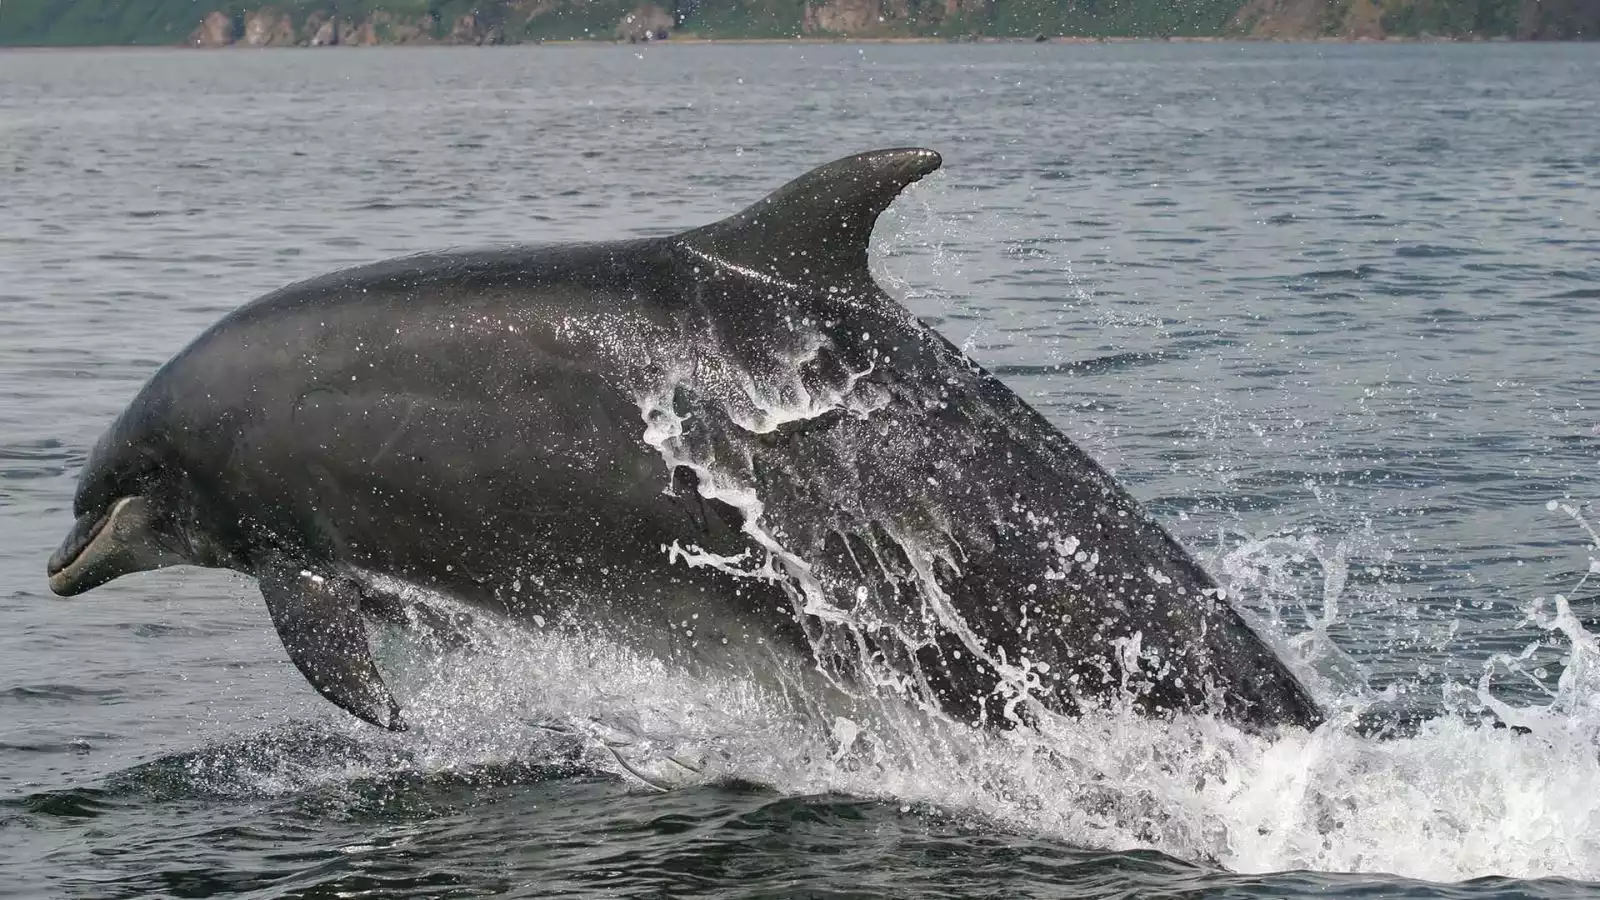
(710, 445)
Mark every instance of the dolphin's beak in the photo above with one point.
(100, 548)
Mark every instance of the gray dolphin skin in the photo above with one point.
(725, 445)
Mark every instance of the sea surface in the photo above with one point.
(1331, 312)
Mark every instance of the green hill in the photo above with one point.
(214, 22)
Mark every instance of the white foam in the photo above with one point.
(1458, 799)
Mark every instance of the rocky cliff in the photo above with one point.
(250, 23)
(276, 27)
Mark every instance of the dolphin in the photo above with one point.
(717, 446)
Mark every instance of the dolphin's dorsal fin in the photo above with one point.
(816, 228)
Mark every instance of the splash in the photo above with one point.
(1290, 587)
(1455, 798)
(1458, 797)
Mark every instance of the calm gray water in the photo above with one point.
(1332, 312)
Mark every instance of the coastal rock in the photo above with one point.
(320, 23)
(1278, 19)
(215, 30)
(268, 27)
(1363, 21)
(853, 18)
(321, 31)
(1304, 19)
(360, 34)
(847, 17)
(392, 29)
(469, 28)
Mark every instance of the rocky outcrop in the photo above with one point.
(274, 27)
(1278, 19)
(847, 17)
(361, 34)
(320, 31)
(473, 29)
(301, 23)
(268, 27)
(869, 18)
(1355, 20)
(1363, 21)
(215, 30)
(391, 29)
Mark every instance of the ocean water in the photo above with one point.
(1330, 312)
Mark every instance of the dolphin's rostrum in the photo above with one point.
(731, 426)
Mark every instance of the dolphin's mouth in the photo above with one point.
(100, 549)
(82, 535)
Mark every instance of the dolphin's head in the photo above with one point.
(132, 516)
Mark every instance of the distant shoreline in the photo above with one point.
(482, 23)
(808, 40)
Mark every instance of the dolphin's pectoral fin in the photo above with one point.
(319, 621)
